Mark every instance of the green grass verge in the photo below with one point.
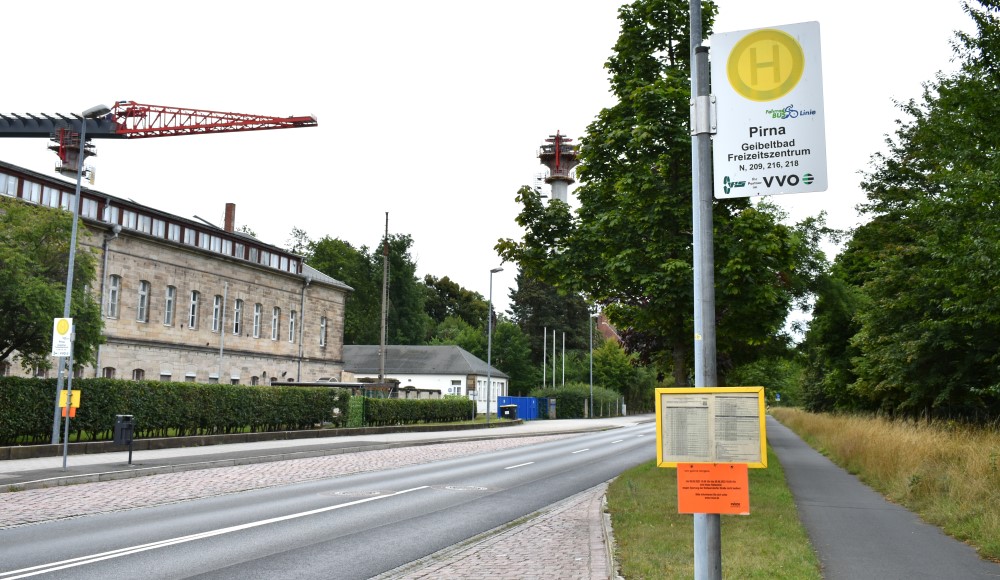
(653, 541)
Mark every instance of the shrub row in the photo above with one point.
(162, 409)
(383, 412)
(570, 401)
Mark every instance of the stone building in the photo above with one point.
(185, 300)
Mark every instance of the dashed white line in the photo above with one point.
(519, 465)
(619, 441)
(580, 451)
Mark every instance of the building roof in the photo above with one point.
(198, 224)
(417, 360)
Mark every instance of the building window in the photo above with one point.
(190, 377)
(159, 228)
(50, 196)
(88, 208)
(138, 375)
(8, 187)
(193, 311)
(239, 251)
(189, 236)
(108, 372)
(67, 201)
(258, 312)
(215, 243)
(254, 381)
(213, 379)
(291, 327)
(145, 224)
(114, 294)
(142, 313)
(253, 255)
(204, 240)
(275, 322)
(32, 192)
(130, 219)
(164, 376)
(173, 232)
(227, 247)
(111, 214)
(168, 306)
(234, 380)
(237, 316)
(322, 331)
(217, 313)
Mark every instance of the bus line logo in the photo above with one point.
(789, 112)
(728, 184)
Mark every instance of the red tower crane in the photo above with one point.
(132, 120)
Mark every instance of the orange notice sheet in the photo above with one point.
(713, 488)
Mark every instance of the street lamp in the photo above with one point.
(591, 318)
(489, 344)
(91, 113)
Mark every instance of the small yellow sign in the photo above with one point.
(74, 401)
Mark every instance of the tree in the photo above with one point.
(407, 321)
(537, 308)
(34, 253)
(924, 268)
(445, 298)
(352, 266)
(629, 246)
(361, 269)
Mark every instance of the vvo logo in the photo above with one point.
(790, 180)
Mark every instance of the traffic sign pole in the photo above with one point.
(707, 527)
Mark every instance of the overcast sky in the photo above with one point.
(432, 111)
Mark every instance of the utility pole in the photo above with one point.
(385, 302)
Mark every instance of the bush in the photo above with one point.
(571, 399)
(383, 412)
(161, 409)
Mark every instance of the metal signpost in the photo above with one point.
(768, 121)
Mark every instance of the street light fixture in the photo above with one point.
(91, 113)
(489, 344)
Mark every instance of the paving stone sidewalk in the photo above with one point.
(568, 541)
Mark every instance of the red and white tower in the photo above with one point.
(559, 155)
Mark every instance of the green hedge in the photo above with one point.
(383, 412)
(570, 400)
(162, 409)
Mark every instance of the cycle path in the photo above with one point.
(859, 535)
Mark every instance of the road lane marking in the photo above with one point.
(519, 465)
(580, 451)
(74, 562)
(619, 441)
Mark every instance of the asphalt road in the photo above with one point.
(857, 534)
(353, 526)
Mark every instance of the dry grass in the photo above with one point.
(948, 473)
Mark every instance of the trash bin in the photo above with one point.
(124, 427)
(508, 411)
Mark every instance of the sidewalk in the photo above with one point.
(22, 474)
(856, 533)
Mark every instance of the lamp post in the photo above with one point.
(489, 344)
(591, 318)
(91, 113)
